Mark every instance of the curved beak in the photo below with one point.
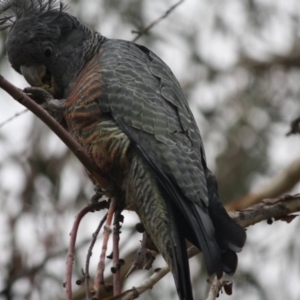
(34, 74)
(38, 76)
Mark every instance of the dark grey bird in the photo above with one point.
(123, 104)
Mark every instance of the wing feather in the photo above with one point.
(148, 104)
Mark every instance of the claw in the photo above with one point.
(100, 192)
(55, 107)
(96, 197)
(38, 94)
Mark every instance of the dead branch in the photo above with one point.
(99, 280)
(151, 281)
(104, 293)
(268, 209)
(215, 288)
(71, 251)
(117, 262)
(146, 29)
(278, 186)
(88, 257)
(13, 117)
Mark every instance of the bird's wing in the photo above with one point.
(147, 102)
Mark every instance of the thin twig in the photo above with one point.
(88, 257)
(116, 257)
(99, 280)
(215, 288)
(13, 117)
(277, 209)
(71, 251)
(146, 29)
(149, 282)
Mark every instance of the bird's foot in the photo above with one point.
(100, 192)
(55, 107)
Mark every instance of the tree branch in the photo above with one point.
(146, 29)
(88, 257)
(116, 253)
(71, 250)
(99, 280)
(13, 117)
(277, 209)
(215, 289)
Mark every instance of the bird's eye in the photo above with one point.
(48, 52)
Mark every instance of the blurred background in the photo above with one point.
(238, 64)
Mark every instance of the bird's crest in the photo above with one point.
(13, 10)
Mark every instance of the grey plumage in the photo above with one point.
(126, 108)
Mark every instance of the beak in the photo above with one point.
(37, 76)
(34, 74)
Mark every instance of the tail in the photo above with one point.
(180, 262)
(229, 235)
(159, 219)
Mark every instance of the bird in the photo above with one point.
(125, 107)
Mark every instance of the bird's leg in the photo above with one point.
(55, 107)
(100, 192)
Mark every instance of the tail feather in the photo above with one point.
(199, 227)
(229, 262)
(157, 214)
(230, 236)
(180, 262)
(159, 200)
(205, 240)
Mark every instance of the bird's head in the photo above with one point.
(45, 43)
